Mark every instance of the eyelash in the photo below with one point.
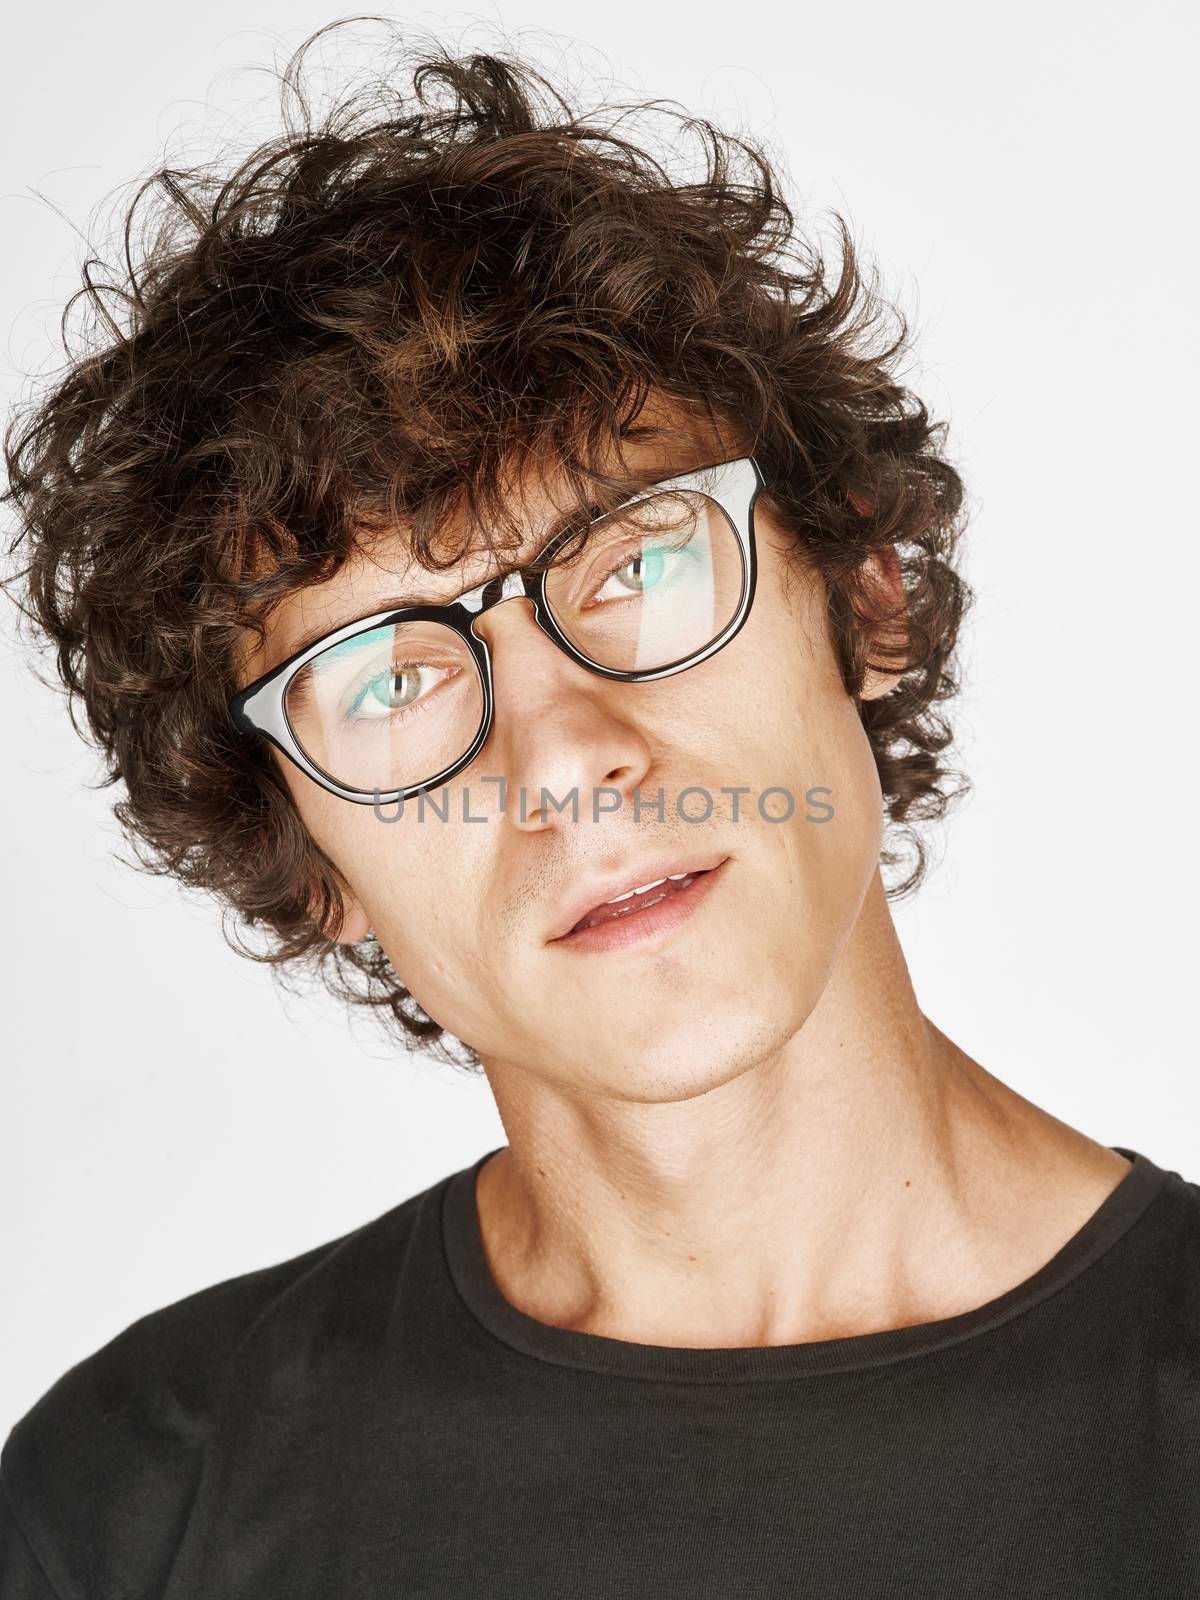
(422, 703)
(599, 583)
(624, 562)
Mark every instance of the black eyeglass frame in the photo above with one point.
(261, 708)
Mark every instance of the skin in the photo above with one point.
(744, 1131)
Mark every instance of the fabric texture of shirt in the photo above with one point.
(373, 1419)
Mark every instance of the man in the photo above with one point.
(773, 1290)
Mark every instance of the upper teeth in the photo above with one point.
(642, 887)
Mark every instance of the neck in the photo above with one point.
(868, 1175)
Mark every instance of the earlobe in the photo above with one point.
(886, 613)
(356, 925)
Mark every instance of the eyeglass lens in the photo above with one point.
(391, 708)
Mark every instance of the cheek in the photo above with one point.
(337, 827)
(393, 867)
(418, 882)
(787, 700)
(809, 737)
(834, 767)
(837, 756)
(842, 853)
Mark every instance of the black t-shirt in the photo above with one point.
(374, 1419)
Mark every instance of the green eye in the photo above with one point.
(648, 568)
(654, 568)
(381, 690)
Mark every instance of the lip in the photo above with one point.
(638, 924)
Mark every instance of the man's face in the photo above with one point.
(663, 1004)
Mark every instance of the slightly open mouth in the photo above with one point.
(632, 904)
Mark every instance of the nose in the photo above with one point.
(488, 628)
(529, 656)
(495, 592)
(559, 730)
(489, 597)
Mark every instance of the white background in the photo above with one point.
(1023, 174)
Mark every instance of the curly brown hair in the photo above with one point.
(366, 320)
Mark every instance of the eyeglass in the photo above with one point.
(402, 700)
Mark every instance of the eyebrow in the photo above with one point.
(561, 523)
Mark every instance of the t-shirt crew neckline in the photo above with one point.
(472, 1278)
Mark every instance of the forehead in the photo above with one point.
(382, 572)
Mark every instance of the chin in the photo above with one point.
(673, 1065)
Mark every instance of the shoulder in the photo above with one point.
(117, 1443)
(1177, 1213)
(1154, 1272)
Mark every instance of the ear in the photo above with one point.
(355, 924)
(886, 610)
